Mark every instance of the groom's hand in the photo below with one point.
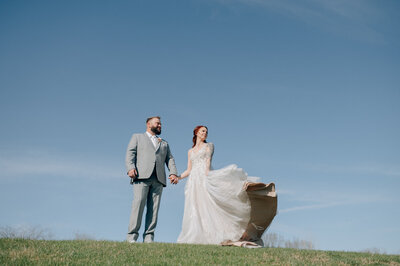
(174, 179)
(132, 173)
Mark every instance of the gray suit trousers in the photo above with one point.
(146, 192)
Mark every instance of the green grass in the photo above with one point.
(84, 252)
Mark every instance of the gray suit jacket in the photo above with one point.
(142, 156)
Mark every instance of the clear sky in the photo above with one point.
(305, 94)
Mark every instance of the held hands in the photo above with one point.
(173, 179)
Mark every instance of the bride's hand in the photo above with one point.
(173, 179)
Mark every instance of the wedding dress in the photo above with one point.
(216, 206)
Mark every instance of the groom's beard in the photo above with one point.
(155, 130)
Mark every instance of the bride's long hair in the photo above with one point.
(196, 129)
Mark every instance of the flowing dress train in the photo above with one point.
(216, 206)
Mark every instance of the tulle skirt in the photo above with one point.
(216, 206)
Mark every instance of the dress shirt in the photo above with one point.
(153, 139)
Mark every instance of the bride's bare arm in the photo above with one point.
(189, 168)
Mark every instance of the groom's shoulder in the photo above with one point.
(164, 141)
(138, 135)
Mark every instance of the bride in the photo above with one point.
(216, 206)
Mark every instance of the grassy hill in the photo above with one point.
(83, 252)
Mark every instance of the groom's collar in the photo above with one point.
(150, 136)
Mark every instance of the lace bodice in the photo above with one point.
(201, 159)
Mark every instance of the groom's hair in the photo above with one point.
(148, 119)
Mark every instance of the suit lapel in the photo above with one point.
(158, 144)
(149, 141)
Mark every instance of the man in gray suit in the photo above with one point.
(145, 159)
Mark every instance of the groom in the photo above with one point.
(145, 159)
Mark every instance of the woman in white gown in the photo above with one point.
(216, 206)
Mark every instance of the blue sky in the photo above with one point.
(304, 94)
